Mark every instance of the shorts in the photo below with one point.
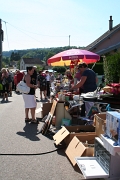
(43, 88)
(5, 88)
(29, 100)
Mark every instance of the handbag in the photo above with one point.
(22, 87)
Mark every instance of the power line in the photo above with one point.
(34, 32)
(25, 33)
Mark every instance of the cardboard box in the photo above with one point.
(91, 168)
(46, 109)
(67, 133)
(108, 143)
(113, 126)
(100, 123)
(78, 147)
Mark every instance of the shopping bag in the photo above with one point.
(22, 87)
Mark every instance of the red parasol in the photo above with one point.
(73, 56)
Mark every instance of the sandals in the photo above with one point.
(34, 121)
(27, 120)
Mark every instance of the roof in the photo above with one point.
(110, 48)
(103, 37)
(32, 61)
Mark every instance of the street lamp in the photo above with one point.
(69, 40)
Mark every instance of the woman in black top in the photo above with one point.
(29, 99)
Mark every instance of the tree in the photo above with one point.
(59, 69)
(3, 65)
(50, 54)
(6, 60)
(112, 68)
(15, 56)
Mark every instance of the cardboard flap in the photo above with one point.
(53, 107)
(60, 135)
(83, 137)
(74, 149)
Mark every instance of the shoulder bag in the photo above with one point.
(22, 87)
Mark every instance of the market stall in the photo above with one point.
(94, 147)
(92, 142)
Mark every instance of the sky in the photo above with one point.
(55, 23)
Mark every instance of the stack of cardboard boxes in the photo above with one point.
(80, 145)
(72, 136)
(94, 148)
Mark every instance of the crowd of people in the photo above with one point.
(8, 82)
(34, 79)
(84, 80)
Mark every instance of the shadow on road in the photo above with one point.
(30, 132)
(2, 102)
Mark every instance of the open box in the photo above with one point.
(102, 165)
(82, 145)
(90, 168)
(66, 133)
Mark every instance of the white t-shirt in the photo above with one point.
(48, 77)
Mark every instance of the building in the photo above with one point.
(109, 42)
(25, 62)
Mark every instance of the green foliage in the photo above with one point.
(98, 68)
(18, 64)
(3, 65)
(59, 69)
(39, 68)
(15, 56)
(112, 68)
(42, 53)
(6, 60)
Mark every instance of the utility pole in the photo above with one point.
(69, 40)
(1, 39)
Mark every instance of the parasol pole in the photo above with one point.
(93, 65)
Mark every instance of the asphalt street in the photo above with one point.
(18, 139)
(26, 154)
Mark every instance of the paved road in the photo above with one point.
(16, 137)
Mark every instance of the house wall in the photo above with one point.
(22, 65)
(28, 65)
(110, 41)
